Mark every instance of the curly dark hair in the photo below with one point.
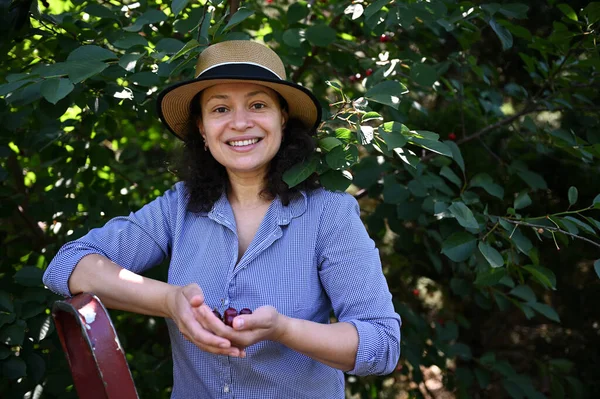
(206, 179)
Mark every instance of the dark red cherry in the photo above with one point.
(216, 313)
(229, 315)
(245, 311)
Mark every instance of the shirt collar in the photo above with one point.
(222, 211)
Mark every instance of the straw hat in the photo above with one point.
(229, 62)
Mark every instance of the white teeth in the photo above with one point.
(242, 143)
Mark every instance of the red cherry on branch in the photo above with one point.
(415, 292)
(384, 38)
(452, 136)
(368, 72)
(245, 311)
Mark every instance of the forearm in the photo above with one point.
(332, 344)
(119, 288)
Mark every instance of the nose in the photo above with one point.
(241, 119)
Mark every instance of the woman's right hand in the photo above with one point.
(183, 307)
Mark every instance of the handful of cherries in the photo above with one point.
(230, 314)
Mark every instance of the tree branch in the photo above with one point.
(553, 229)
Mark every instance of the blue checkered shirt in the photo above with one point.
(307, 259)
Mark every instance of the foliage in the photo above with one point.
(468, 131)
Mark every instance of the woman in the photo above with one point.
(238, 237)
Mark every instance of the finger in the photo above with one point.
(212, 322)
(193, 293)
(202, 336)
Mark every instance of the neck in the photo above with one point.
(244, 192)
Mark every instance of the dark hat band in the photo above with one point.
(237, 70)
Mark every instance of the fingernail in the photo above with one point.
(240, 323)
(223, 345)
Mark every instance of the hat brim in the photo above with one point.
(174, 102)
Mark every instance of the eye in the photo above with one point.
(258, 105)
(220, 110)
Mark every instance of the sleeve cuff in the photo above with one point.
(377, 353)
(57, 275)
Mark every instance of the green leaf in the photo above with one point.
(100, 11)
(460, 350)
(522, 200)
(370, 116)
(451, 176)
(13, 335)
(459, 246)
(240, 15)
(387, 93)
(293, 37)
(562, 365)
(129, 39)
(329, 143)
(432, 145)
(597, 267)
(79, 70)
(534, 180)
(493, 257)
(14, 368)
(374, 7)
(545, 310)
(393, 139)
(151, 16)
(393, 191)
(423, 74)
(573, 195)
(579, 223)
(320, 35)
(335, 180)
(144, 79)
(596, 202)
(300, 172)
(129, 61)
(56, 89)
(36, 366)
(514, 10)
(491, 276)
(29, 276)
(340, 158)
(568, 11)
(503, 34)
(521, 241)
(366, 134)
(189, 46)
(169, 46)
(178, 5)
(456, 154)
(296, 12)
(524, 292)
(463, 215)
(6, 302)
(485, 181)
(91, 53)
(543, 275)
(592, 12)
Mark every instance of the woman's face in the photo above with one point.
(242, 124)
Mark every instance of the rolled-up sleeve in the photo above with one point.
(351, 274)
(135, 242)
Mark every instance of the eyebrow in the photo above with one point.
(225, 97)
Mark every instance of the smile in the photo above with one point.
(242, 143)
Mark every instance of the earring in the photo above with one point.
(205, 145)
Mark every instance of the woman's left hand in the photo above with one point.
(265, 323)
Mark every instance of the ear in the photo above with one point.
(284, 118)
(200, 126)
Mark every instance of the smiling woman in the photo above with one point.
(238, 237)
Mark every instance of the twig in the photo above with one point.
(552, 229)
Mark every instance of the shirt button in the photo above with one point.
(226, 302)
(226, 388)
